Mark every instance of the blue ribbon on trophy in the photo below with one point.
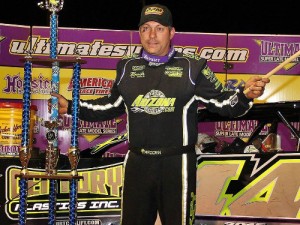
(25, 151)
(73, 153)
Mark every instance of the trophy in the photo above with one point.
(52, 150)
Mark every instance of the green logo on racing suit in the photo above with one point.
(154, 103)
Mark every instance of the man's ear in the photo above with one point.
(172, 33)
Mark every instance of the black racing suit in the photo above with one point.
(161, 103)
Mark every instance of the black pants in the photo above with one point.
(159, 184)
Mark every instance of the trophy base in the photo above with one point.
(49, 177)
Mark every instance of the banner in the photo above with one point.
(233, 57)
(233, 189)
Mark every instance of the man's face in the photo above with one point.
(156, 38)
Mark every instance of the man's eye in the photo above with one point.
(160, 29)
(144, 29)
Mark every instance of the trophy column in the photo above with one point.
(25, 151)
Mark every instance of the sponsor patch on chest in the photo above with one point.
(173, 71)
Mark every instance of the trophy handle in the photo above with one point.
(74, 156)
(24, 155)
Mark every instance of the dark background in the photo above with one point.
(210, 16)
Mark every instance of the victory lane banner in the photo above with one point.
(233, 57)
(99, 193)
(229, 186)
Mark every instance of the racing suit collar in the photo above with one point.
(158, 60)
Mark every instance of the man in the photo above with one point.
(160, 91)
